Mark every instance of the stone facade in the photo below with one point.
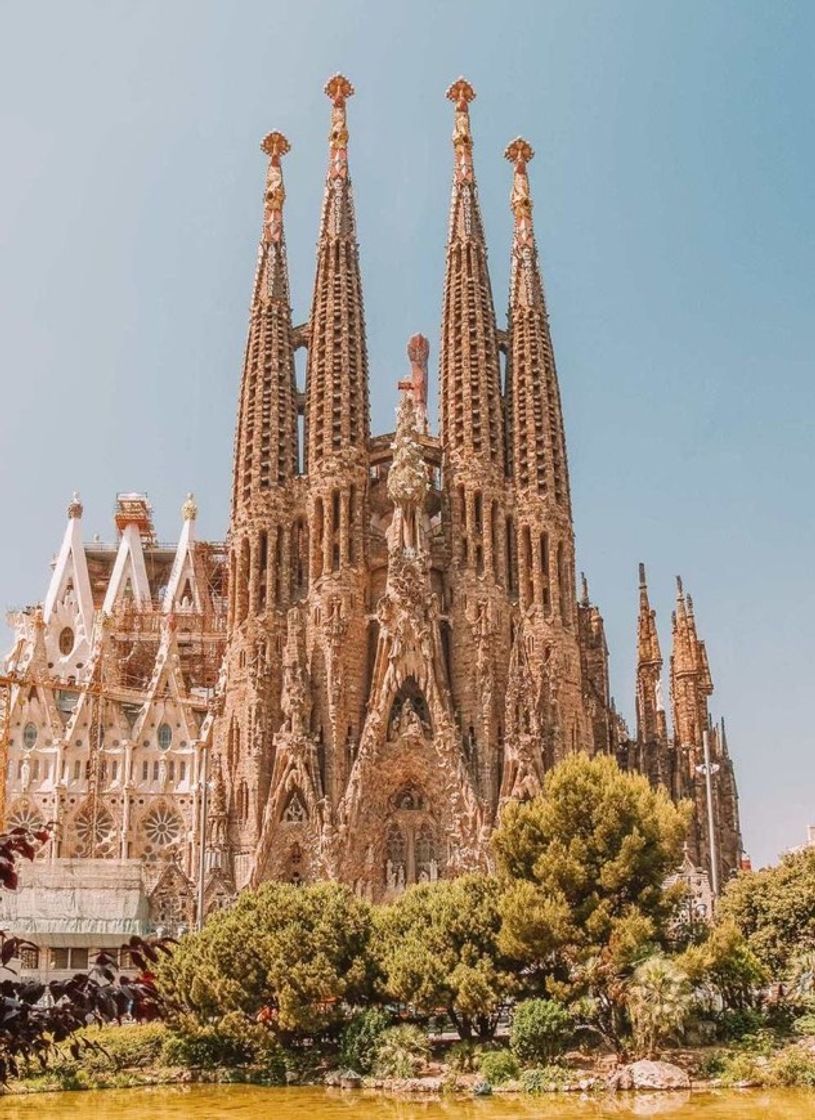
(389, 646)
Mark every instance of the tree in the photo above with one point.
(36, 1017)
(594, 848)
(724, 965)
(437, 947)
(293, 957)
(775, 909)
(659, 1001)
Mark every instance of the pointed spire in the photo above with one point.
(650, 708)
(584, 591)
(189, 510)
(266, 439)
(75, 507)
(538, 453)
(472, 423)
(337, 375)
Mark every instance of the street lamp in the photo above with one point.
(708, 769)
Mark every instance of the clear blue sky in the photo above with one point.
(674, 211)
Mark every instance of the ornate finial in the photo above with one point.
(519, 152)
(75, 508)
(679, 589)
(418, 351)
(461, 93)
(189, 510)
(275, 145)
(339, 89)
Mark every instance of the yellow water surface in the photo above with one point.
(240, 1102)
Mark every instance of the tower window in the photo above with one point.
(165, 736)
(66, 641)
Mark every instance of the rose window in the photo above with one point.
(25, 816)
(162, 827)
(94, 834)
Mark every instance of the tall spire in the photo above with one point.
(691, 682)
(651, 726)
(266, 439)
(337, 376)
(471, 409)
(538, 453)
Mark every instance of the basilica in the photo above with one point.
(389, 646)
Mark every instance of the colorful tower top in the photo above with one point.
(337, 374)
(266, 438)
(471, 413)
(537, 436)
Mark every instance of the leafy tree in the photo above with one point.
(593, 848)
(31, 1025)
(659, 1002)
(724, 965)
(775, 909)
(437, 947)
(292, 957)
(584, 866)
(540, 1030)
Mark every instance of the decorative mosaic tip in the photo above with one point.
(461, 92)
(275, 145)
(519, 152)
(339, 89)
(75, 508)
(189, 510)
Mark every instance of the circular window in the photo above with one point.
(66, 641)
(162, 825)
(165, 735)
(25, 816)
(29, 736)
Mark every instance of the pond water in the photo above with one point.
(239, 1102)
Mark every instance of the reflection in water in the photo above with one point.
(239, 1102)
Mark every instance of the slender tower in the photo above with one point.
(540, 479)
(472, 437)
(337, 431)
(691, 687)
(261, 560)
(652, 734)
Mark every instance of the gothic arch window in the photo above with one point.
(295, 811)
(162, 828)
(92, 834)
(260, 575)
(243, 802)
(319, 537)
(164, 736)
(546, 595)
(427, 866)
(29, 736)
(66, 641)
(395, 859)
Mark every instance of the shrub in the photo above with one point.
(129, 1046)
(498, 1066)
(793, 1066)
(734, 1025)
(540, 1030)
(805, 1024)
(465, 1057)
(545, 1080)
(402, 1051)
(360, 1039)
(232, 1042)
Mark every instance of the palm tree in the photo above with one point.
(659, 1000)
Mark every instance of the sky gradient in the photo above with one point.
(674, 215)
